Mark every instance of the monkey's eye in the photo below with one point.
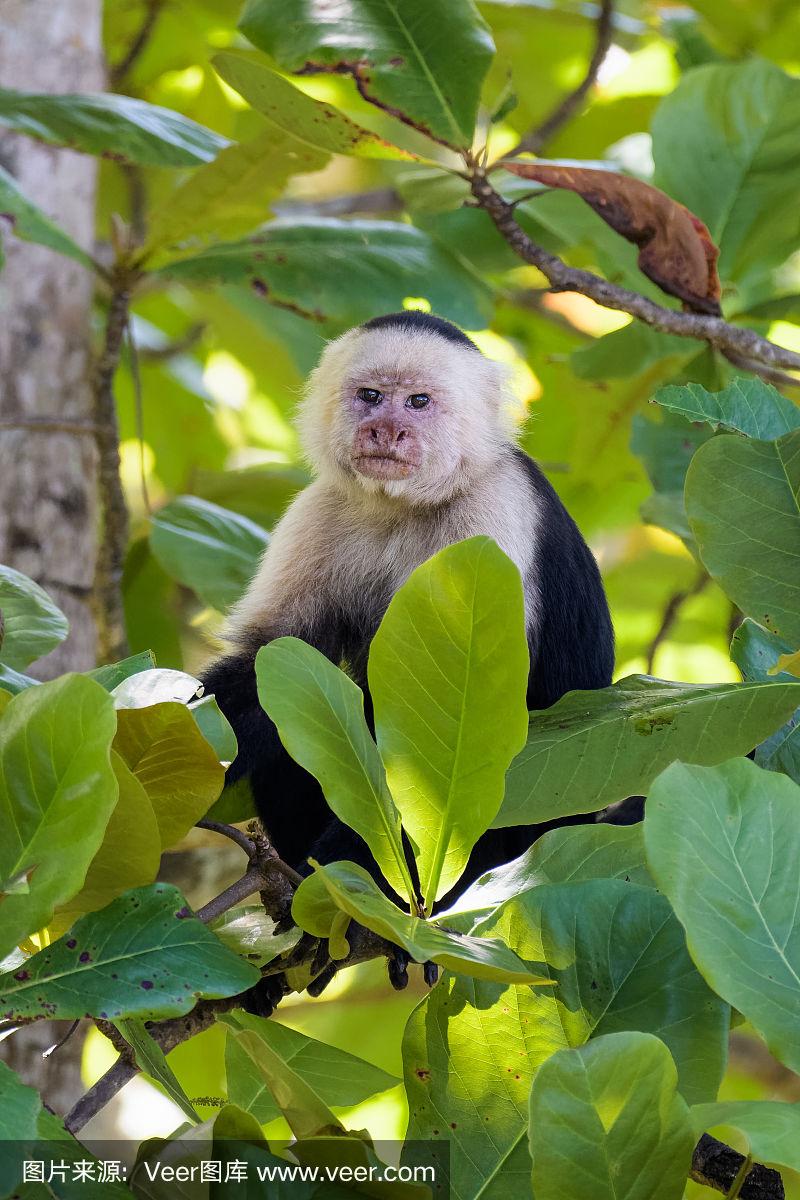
(418, 400)
(368, 395)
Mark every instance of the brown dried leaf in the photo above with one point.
(675, 248)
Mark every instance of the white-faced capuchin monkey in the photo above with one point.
(405, 423)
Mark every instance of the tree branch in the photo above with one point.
(728, 339)
(109, 614)
(717, 1166)
(671, 611)
(536, 140)
(138, 43)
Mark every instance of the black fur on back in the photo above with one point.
(412, 319)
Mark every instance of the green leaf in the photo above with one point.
(129, 855)
(13, 682)
(32, 624)
(357, 894)
(743, 504)
(470, 1052)
(215, 728)
(20, 1107)
(313, 908)
(57, 792)
(772, 1129)
(290, 111)
(112, 675)
(144, 955)
(396, 54)
(336, 1077)
(616, 1098)
(173, 762)
(117, 127)
(151, 1059)
(617, 955)
(207, 548)
(575, 852)
(448, 673)
(723, 844)
(306, 1113)
(755, 652)
(319, 714)
(342, 271)
(30, 223)
(723, 146)
(594, 748)
(232, 194)
(747, 406)
(250, 932)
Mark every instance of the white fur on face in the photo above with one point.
(456, 439)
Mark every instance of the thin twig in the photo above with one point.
(110, 617)
(62, 1041)
(714, 330)
(138, 43)
(180, 345)
(535, 141)
(230, 831)
(671, 611)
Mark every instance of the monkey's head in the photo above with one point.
(405, 406)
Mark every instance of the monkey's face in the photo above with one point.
(403, 413)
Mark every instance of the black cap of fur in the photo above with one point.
(412, 318)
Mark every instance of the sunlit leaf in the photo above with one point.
(723, 844)
(747, 406)
(32, 624)
(448, 673)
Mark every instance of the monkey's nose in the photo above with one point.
(386, 437)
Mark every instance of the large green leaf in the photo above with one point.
(209, 549)
(293, 112)
(171, 759)
(594, 748)
(723, 844)
(129, 855)
(20, 1107)
(232, 194)
(472, 1048)
(618, 957)
(755, 652)
(319, 714)
(470, 1052)
(343, 271)
(422, 60)
(118, 127)
(111, 675)
(743, 504)
(357, 894)
(747, 406)
(57, 792)
(31, 224)
(144, 955)
(723, 144)
(448, 672)
(250, 932)
(338, 1078)
(306, 1112)
(616, 1099)
(31, 625)
(575, 852)
(772, 1129)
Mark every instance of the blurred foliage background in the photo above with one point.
(220, 371)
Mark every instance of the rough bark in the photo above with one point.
(48, 479)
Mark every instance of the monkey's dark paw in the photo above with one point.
(398, 969)
(262, 999)
(318, 985)
(430, 973)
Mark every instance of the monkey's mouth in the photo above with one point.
(384, 466)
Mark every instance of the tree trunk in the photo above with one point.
(48, 480)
